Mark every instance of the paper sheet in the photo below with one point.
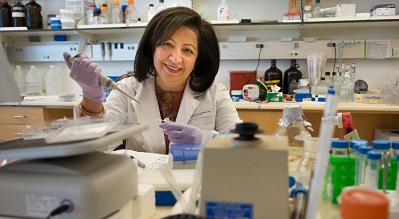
(151, 160)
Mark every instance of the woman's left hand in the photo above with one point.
(182, 133)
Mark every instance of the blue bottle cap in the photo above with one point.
(291, 181)
(295, 191)
(381, 144)
(374, 155)
(364, 149)
(339, 143)
(357, 142)
(124, 6)
(395, 145)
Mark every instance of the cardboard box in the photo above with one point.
(383, 10)
(294, 6)
(274, 97)
(388, 134)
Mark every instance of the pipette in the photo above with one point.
(108, 82)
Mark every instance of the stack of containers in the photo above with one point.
(79, 7)
(67, 21)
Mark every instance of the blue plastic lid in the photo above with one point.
(97, 10)
(395, 144)
(295, 191)
(381, 144)
(363, 149)
(51, 15)
(355, 143)
(124, 6)
(339, 143)
(291, 181)
(331, 91)
(374, 155)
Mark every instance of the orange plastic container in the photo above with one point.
(240, 78)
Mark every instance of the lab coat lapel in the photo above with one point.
(149, 114)
(188, 105)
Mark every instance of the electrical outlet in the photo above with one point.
(294, 53)
(395, 52)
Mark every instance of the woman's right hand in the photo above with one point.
(85, 72)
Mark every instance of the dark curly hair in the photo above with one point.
(161, 27)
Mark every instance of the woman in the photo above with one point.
(175, 66)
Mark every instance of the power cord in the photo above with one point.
(59, 210)
(256, 69)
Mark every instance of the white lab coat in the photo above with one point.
(212, 110)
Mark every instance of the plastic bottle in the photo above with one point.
(223, 11)
(33, 82)
(306, 165)
(347, 90)
(116, 12)
(5, 14)
(96, 16)
(354, 145)
(104, 16)
(373, 169)
(131, 13)
(294, 125)
(18, 14)
(339, 148)
(307, 9)
(90, 15)
(317, 10)
(322, 87)
(151, 12)
(34, 19)
(20, 79)
(360, 165)
(291, 74)
(53, 82)
(273, 75)
(124, 14)
(161, 6)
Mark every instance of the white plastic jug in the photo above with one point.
(20, 79)
(33, 82)
(53, 82)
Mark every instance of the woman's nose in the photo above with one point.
(175, 56)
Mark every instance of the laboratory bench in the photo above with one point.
(366, 117)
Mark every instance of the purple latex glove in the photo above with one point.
(182, 133)
(85, 72)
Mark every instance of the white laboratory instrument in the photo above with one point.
(72, 177)
(245, 176)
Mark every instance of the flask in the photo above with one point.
(104, 17)
(291, 74)
(273, 75)
(347, 90)
(20, 79)
(53, 82)
(33, 13)
(372, 169)
(317, 10)
(294, 125)
(131, 15)
(90, 15)
(116, 12)
(307, 9)
(33, 82)
(18, 14)
(96, 16)
(307, 164)
(5, 14)
(161, 6)
(151, 12)
(223, 11)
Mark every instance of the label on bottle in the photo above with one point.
(18, 14)
(223, 13)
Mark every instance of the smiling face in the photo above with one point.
(175, 59)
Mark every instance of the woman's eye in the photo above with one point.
(188, 51)
(166, 44)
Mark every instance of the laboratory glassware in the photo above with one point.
(131, 13)
(90, 15)
(20, 79)
(5, 14)
(291, 74)
(307, 9)
(384, 146)
(18, 14)
(372, 169)
(294, 125)
(360, 165)
(273, 75)
(306, 165)
(116, 15)
(104, 16)
(223, 11)
(161, 6)
(322, 87)
(316, 63)
(33, 12)
(347, 90)
(317, 10)
(339, 148)
(151, 12)
(354, 145)
(328, 79)
(33, 82)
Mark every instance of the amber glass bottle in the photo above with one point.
(18, 14)
(5, 14)
(291, 74)
(34, 18)
(273, 75)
